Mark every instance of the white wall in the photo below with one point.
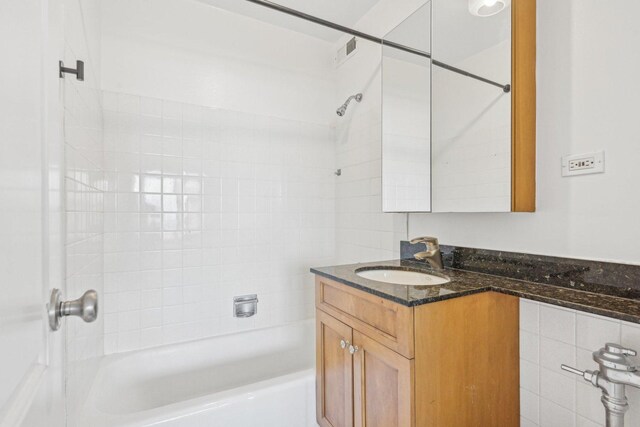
(49, 404)
(189, 52)
(34, 191)
(586, 101)
(220, 160)
(21, 211)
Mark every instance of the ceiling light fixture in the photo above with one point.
(486, 8)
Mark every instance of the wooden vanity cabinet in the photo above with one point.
(372, 387)
(458, 367)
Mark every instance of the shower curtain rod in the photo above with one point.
(279, 8)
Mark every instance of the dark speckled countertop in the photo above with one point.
(466, 283)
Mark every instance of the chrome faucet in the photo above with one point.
(432, 255)
(616, 372)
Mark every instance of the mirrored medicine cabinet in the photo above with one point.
(458, 108)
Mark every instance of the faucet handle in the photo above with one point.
(427, 240)
(572, 370)
(589, 376)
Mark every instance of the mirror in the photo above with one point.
(406, 112)
(458, 136)
(471, 120)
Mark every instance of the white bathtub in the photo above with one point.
(259, 378)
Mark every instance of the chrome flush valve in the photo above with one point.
(616, 371)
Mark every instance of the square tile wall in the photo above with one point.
(551, 336)
(204, 204)
(363, 232)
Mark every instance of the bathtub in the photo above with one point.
(259, 378)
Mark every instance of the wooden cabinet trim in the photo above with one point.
(523, 106)
(389, 323)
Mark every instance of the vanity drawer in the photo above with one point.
(389, 323)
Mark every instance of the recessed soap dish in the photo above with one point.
(245, 305)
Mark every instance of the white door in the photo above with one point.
(31, 249)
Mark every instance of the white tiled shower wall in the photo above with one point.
(219, 142)
(551, 336)
(204, 204)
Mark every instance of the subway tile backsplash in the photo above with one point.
(203, 204)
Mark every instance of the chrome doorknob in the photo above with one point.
(85, 307)
(343, 344)
(353, 349)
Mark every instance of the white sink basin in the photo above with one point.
(402, 277)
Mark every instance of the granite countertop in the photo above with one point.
(466, 283)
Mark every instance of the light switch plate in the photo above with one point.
(583, 164)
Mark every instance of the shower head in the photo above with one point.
(343, 108)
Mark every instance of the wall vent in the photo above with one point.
(347, 51)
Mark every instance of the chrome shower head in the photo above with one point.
(343, 108)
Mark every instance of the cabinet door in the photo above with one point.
(334, 372)
(467, 362)
(383, 385)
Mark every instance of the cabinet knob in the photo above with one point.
(353, 349)
(344, 344)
